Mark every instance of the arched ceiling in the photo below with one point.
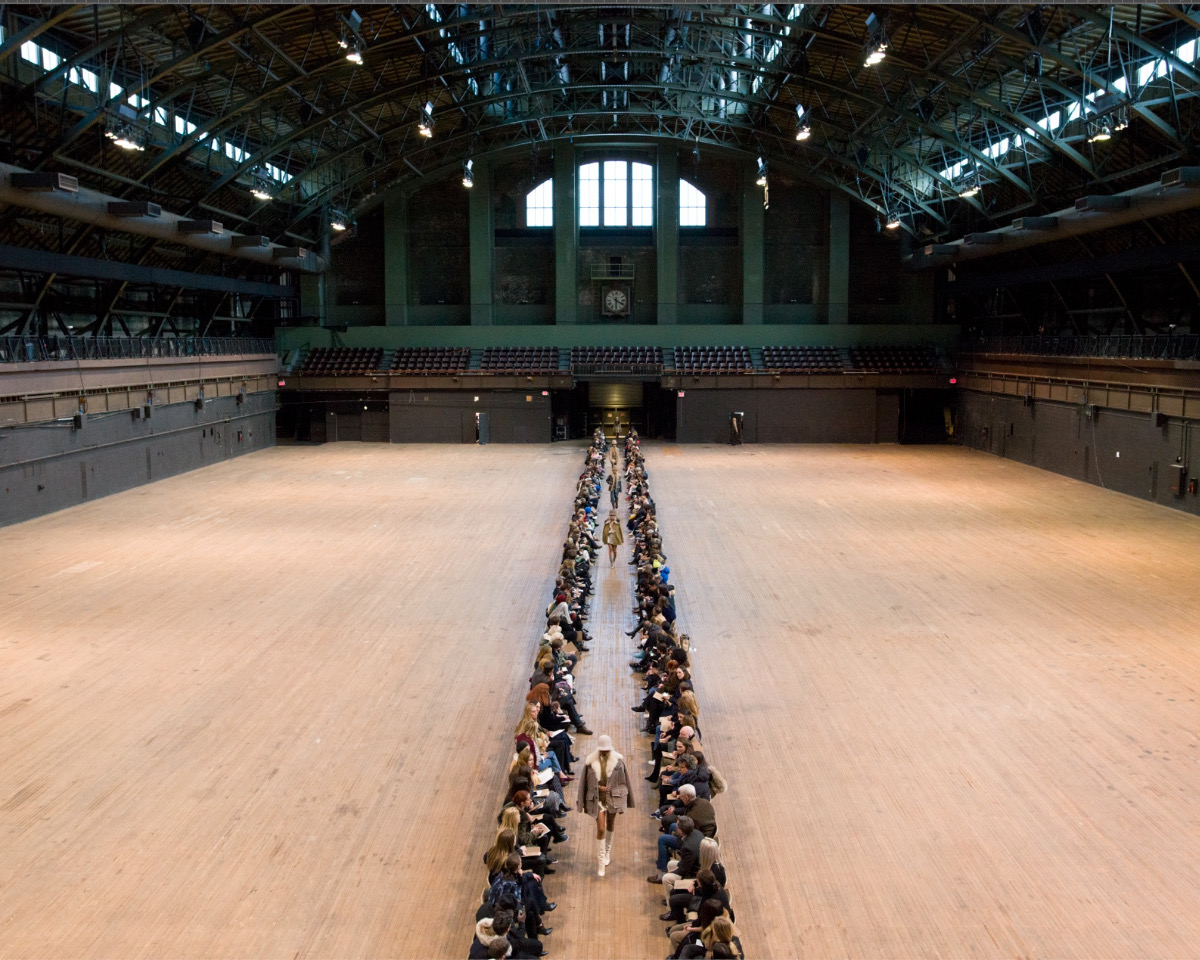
(965, 96)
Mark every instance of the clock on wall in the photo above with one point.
(614, 301)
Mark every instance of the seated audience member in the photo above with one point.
(717, 940)
(687, 861)
(526, 888)
(688, 931)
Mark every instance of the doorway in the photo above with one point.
(615, 407)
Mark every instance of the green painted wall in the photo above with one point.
(620, 335)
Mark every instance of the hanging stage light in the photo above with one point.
(761, 179)
(127, 138)
(468, 175)
(425, 124)
(260, 186)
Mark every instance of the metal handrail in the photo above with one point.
(38, 349)
(1159, 346)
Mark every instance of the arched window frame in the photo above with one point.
(693, 205)
(539, 205)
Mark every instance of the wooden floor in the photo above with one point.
(263, 709)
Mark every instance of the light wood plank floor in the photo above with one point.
(251, 711)
(956, 697)
(263, 709)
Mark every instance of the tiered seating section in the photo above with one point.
(431, 360)
(340, 361)
(688, 361)
(701, 360)
(616, 356)
(802, 360)
(893, 359)
(520, 360)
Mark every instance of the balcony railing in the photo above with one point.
(1139, 347)
(35, 349)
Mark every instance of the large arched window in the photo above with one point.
(539, 205)
(616, 193)
(693, 206)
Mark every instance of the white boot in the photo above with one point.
(608, 839)
(602, 859)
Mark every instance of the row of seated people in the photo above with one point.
(431, 360)
(688, 868)
(510, 921)
(713, 360)
(617, 356)
(893, 359)
(519, 360)
(802, 359)
(338, 361)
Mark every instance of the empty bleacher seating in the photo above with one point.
(802, 359)
(893, 359)
(431, 361)
(519, 360)
(341, 361)
(708, 360)
(616, 356)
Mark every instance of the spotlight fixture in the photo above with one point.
(1099, 131)
(761, 179)
(803, 128)
(127, 137)
(468, 174)
(425, 124)
(876, 46)
(893, 223)
(260, 186)
(339, 221)
(969, 191)
(354, 53)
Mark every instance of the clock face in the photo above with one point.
(615, 301)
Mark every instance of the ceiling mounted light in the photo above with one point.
(761, 179)
(876, 46)
(354, 53)
(338, 221)
(893, 223)
(425, 124)
(468, 176)
(127, 137)
(260, 186)
(969, 191)
(1099, 131)
(803, 132)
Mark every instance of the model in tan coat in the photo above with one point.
(612, 536)
(604, 794)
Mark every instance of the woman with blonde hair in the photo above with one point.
(718, 939)
(691, 706)
(514, 819)
(710, 858)
(504, 844)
